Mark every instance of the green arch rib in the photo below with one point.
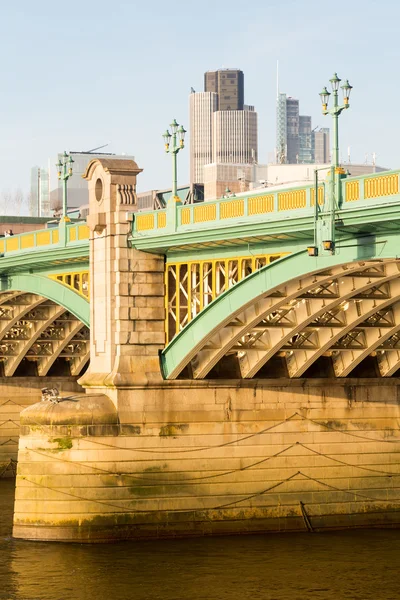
(51, 289)
(186, 343)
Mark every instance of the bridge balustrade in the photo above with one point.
(77, 233)
(270, 205)
(384, 187)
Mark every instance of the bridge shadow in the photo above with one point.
(366, 246)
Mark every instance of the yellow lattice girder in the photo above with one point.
(79, 281)
(190, 286)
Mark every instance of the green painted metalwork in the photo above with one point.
(266, 280)
(64, 167)
(77, 236)
(358, 209)
(48, 288)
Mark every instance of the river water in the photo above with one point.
(348, 565)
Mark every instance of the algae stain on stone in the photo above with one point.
(156, 469)
(173, 429)
(64, 443)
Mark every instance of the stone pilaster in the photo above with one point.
(127, 286)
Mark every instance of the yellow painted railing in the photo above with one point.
(258, 205)
(352, 191)
(361, 188)
(321, 195)
(40, 239)
(185, 216)
(291, 200)
(145, 222)
(204, 212)
(78, 232)
(231, 209)
(382, 185)
(161, 220)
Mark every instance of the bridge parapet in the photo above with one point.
(270, 204)
(77, 234)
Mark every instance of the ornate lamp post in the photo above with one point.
(335, 111)
(64, 168)
(336, 172)
(176, 132)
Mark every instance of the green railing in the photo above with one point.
(43, 238)
(265, 204)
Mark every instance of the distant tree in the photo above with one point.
(17, 201)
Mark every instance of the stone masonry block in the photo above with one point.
(150, 302)
(123, 325)
(123, 277)
(147, 337)
(147, 289)
(147, 265)
(147, 314)
(149, 326)
(121, 253)
(148, 277)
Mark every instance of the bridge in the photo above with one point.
(44, 302)
(243, 363)
(243, 298)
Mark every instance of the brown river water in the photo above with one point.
(348, 565)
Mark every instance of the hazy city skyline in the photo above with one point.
(88, 76)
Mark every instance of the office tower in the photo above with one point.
(202, 107)
(39, 200)
(292, 130)
(321, 146)
(281, 134)
(305, 140)
(235, 136)
(229, 85)
(222, 128)
(296, 142)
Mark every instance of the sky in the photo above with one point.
(79, 74)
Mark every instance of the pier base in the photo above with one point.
(190, 458)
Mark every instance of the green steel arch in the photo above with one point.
(270, 283)
(50, 289)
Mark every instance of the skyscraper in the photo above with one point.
(39, 199)
(222, 128)
(295, 140)
(292, 130)
(321, 145)
(305, 140)
(229, 85)
(281, 134)
(202, 105)
(235, 136)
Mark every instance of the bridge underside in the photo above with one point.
(339, 321)
(40, 337)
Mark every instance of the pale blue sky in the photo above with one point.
(78, 74)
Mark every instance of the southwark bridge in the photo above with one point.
(224, 367)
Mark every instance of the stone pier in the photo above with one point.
(139, 457)
(17, 393)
